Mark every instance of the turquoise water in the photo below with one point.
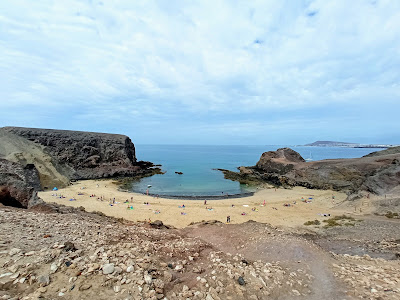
(197, 164)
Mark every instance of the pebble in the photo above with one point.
(44, 280)
(53, 268)
(108, 269)
(148, 279)
(129, 269)
(85, 287)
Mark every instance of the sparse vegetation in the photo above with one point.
(331, 223)
(340, 220)
(391, 215)
(343, 217)
(315, 222)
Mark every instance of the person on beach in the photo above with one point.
(205, 202)
(228, 219)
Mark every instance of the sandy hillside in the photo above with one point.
(21, 150)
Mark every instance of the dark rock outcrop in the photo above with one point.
(18, 184)
(78, 155)
(280, 161)
(392, 150)
(376, 174)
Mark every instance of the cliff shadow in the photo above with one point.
(7, 200)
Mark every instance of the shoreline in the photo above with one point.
(278, 207)
(188, 197)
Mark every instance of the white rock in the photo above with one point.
(178, 267)
(117, 288)
(148, 279)
(129, 269)
(209, 297)
(108, 269)
(53, 267)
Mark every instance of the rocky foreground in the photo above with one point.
(65, 253)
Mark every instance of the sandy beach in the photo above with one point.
(304, 205)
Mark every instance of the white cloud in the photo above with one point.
(171, 60)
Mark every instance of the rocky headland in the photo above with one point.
(376, 173)
(33, 159)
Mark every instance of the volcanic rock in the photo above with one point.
(18, 184)
(63, 155)
(377, 174)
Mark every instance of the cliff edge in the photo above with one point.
(63, 155)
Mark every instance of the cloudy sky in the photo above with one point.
(204, 72)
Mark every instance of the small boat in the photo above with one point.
(180, 173)
(149, 186)
(309, 158)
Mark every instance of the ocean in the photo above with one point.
(198, 164)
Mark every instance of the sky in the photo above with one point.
(204, 72)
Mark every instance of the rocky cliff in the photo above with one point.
(62, 155)
(18, 184)
(376, 174)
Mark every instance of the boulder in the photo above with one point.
(18, 184)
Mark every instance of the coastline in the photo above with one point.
(171, 211)
(194, 197)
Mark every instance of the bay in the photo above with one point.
(198, 164)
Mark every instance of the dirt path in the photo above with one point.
(257, 241)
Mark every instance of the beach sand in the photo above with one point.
(171, 212)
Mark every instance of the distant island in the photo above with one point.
(349, 145)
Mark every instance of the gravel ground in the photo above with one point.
(66, 253)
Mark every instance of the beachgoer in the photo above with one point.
(228, 219)
(205, 202)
